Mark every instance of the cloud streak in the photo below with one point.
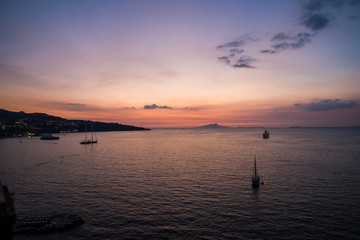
(83, 108)
(237, 43)
(17, 75)
(155, 106)
(75, 107)
(326, 105)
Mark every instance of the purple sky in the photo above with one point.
(183, 63)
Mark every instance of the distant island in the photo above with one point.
(33, 124)
(214, 125)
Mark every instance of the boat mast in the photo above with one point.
(92, 132)
(85, 132)
(255, 166)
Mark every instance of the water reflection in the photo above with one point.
(176, 183)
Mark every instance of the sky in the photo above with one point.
(254, 63)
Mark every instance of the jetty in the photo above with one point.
(47, 223)
(43, 223)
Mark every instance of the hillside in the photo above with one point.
(21, 124)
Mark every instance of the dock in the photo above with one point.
(42, 223)
(47, 223)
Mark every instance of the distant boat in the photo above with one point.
(89, 140)
(266, 134)
(255, 178)
(48, 136)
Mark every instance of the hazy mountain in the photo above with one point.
(214, 125)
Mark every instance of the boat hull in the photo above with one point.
(255, 181)
(48, 137)
(255, 184)
(88, 142)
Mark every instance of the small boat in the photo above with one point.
(48, 136)
(255, 178)
(266, 134)
(89, 140)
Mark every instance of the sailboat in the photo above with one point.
(255, 178)
(266, 134)
(89, 140)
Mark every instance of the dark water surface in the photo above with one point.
(191, 184)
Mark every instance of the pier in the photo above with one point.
(10, 224)
(47, 223)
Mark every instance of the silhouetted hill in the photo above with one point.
(214, 125)
(21, 123)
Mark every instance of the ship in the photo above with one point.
(89, 140)
(48, 136)
(266, 134)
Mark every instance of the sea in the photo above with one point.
(191, 183)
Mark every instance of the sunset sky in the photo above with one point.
(183, 63)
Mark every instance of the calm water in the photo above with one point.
(191, 184)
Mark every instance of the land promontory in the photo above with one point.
(21, 124)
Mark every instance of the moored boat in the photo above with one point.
(88, 141)
(48, 136)
(266, 134)
(91, 140)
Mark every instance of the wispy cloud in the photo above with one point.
(240, 62)
(236, 51)
(234, 56)
(75, 107)
(129, 108)
(155, 106)
(237, 43)
(282, 41)
(352, 17)
(244, 62)
(319, 14)
(314, 16)
(225, 59)
(81, 107)
(191, 109)
(354, 3)
(231, 44)
(17, 75)
(325, 105)
(316, 22)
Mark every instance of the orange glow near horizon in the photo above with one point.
(232, 115)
